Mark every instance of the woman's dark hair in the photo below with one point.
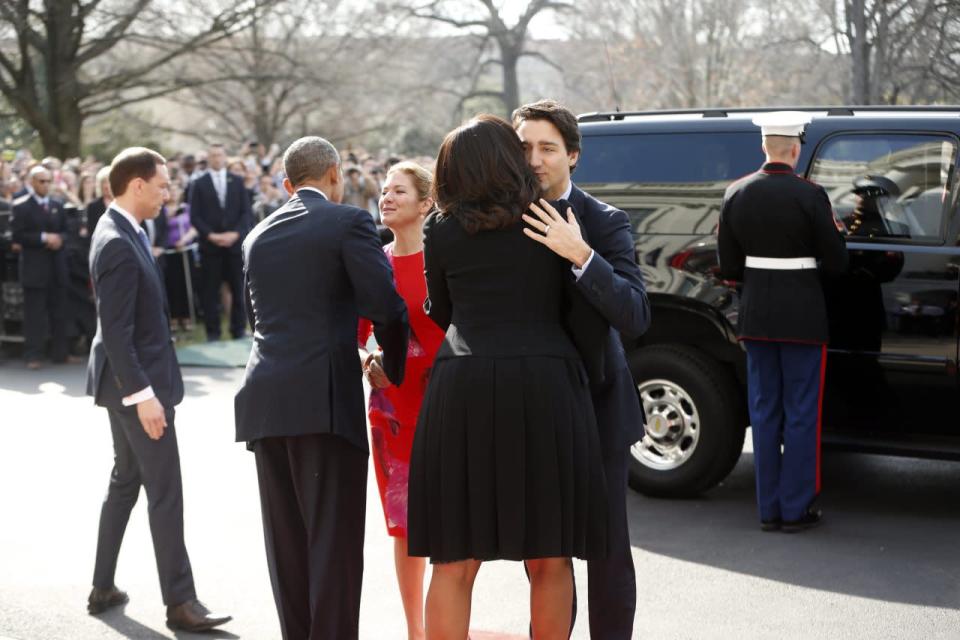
(482, 177)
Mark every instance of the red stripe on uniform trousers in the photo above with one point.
(787, 340)
(823, 376)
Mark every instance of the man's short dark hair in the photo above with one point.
(133, 163)
(309, 158)
(557, 115)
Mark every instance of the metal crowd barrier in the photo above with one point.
(188, 279)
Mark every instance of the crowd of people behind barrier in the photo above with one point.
(80, 189)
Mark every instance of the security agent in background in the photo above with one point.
(777, 234)
(221, 212)
(39, 227)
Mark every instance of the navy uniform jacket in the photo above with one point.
(39, 266)
(133, 347)
(613, 285)
(311, 270)
(206, 214)
(774, 213)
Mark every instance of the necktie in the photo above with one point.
(144, 241)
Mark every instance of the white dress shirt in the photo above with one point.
(143, 394)
(220, 185)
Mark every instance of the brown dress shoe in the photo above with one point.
(193, 616)
(102, 599)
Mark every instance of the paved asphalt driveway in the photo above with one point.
(886, 563)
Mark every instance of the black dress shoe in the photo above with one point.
(193, 616)
(810, 519)
(102, 599)
(771, 525)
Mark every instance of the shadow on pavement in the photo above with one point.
(890, 530)
(71, 379)
(126, 626)
(213, 633)
(66, 379)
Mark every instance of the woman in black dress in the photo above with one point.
(506, 461)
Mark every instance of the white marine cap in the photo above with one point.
(782, 123)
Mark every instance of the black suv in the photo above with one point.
(891, 380)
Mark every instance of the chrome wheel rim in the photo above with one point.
(673, 426)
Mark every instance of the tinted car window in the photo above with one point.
(667, 182)
(887, 186)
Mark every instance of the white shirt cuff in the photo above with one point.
(577, 272)
(139, 397)
(43, 237)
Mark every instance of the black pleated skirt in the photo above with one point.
(506, 463)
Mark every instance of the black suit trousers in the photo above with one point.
(44, 315)
(155, 465)
(313, 494)
(219, 265)
(612, 582)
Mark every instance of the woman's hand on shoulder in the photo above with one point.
(562, 236)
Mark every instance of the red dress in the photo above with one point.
(393, 411)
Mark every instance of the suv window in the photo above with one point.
(887, 186)
(667, 182)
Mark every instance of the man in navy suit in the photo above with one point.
(222, 214)
(311, 270)
(39, 227)
(606, 272)
(133, 373)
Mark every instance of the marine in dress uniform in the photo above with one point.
(778, 236)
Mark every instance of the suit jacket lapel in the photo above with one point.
(44, 218)
(133, 236)
(213, 190)
(577, 199)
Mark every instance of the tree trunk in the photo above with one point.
(67, 139)
(859, 39)
(511, 88)
(61, 138)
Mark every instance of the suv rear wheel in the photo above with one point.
(695, 422)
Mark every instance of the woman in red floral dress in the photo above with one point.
(404, 204)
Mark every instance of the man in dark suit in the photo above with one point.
(221, 212)
(98, 207)
(39, 227)
(607, 274)
(133, 372)
(311, 270)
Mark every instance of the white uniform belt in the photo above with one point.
(781, 264)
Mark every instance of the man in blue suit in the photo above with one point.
(311, 270)
(133, 372)
(221, 211)
(607, 274)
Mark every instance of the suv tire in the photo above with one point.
(695, 421)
